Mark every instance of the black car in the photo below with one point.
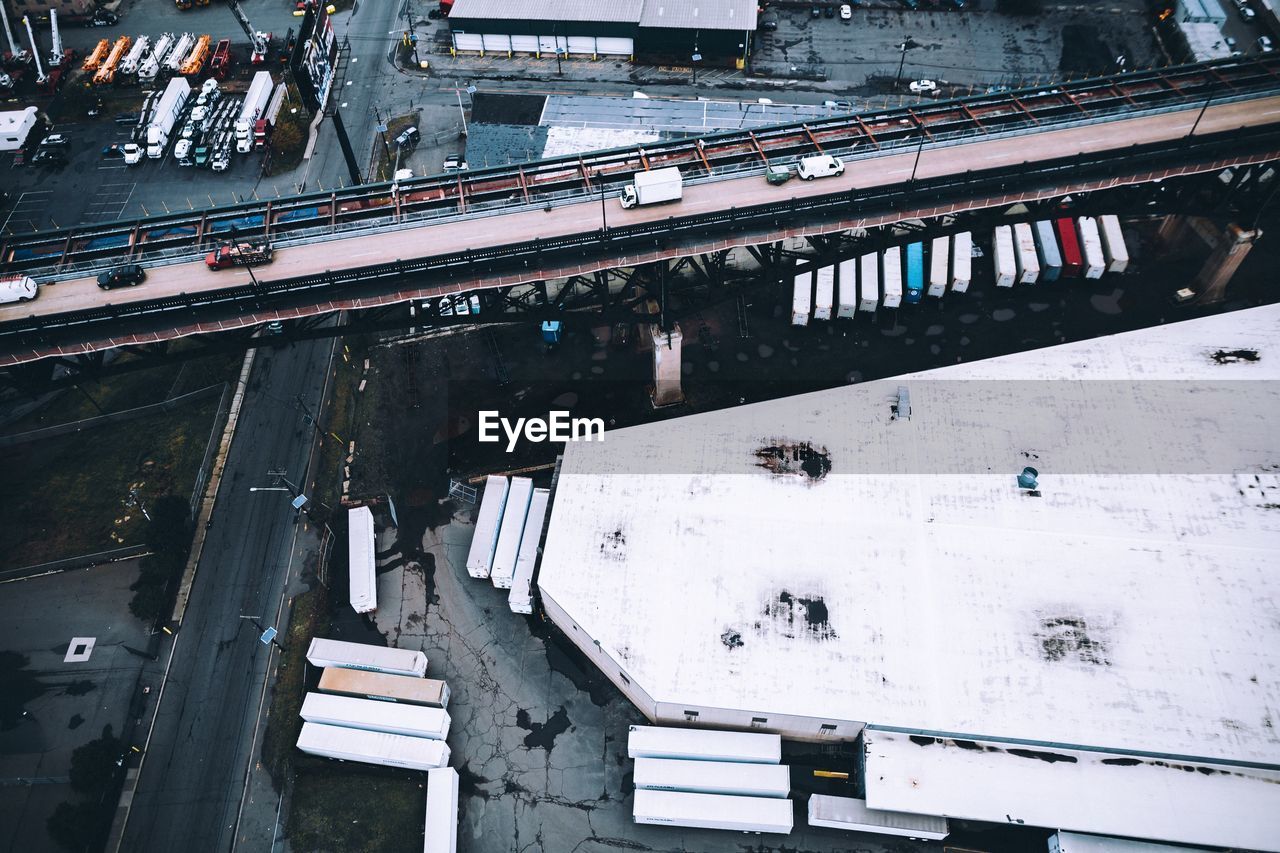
(815, 12)
(829, 12)
(126, 276)
(50, 156)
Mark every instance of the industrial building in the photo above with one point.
(719, 32)
(1039, 589)
(15, 125)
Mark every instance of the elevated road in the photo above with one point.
(1218, 116)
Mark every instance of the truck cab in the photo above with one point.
(239, 255)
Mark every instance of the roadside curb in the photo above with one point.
(211, 490)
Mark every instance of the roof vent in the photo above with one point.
(1027, 479)
(902, 408)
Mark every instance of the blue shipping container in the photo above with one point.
(915, 273)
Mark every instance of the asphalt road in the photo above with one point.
(193, 774)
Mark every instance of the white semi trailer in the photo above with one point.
(340, 653)
(801, 299)
(1113, 246)
(1095, 262)
(847, 283)
(513, 517)
(1024, 253)
(713, 811)
(1006, 267)
(961, 261)
(414, 753)
(704, 745)
(892, 277)
(165, 115)
(374, 716)
(255, 104)
(520, 599)
(869, 271)
(939, 258)
(384, 687)
(361, 560)
(440, 829)
(713, 777)
(484, 539)
(1047, 251)
(853, 815)
(824, 293)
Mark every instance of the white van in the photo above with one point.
(821, 166)
(18, 288)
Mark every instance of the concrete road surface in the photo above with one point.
(193, 774)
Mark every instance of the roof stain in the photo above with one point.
(795, 459)
(795, 615)
(1068, 637)
(1235, 356)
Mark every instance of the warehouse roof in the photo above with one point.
(673, 14)
(1227, 807)
(816, 556)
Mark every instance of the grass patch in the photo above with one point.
(385, 166)
(340, 807)
(308, 618)
(71, 495)
(289, 138)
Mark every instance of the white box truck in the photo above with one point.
(440, 829)
(891, 275)
(853, 815)
(703, 745)
(802, 299)
(939, 260)
(383, 687)
(339, 653)
(824, 293)
(1047, 251)
(165, 114)
(509, 533)
(1006, 267)
(361, 564)
(520, 599)
(1024, 254)
(374, 716)
(847, 283)
(255, 104)
(1095, 262)
(961, 261)
(713, 811)
(484, 540)
(18, 288)
(1117, 254)
(414, 753)
(713, 777)
(653, 187)
(869, 272)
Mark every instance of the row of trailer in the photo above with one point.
(883, 279)
(375, 705)
(508, 534)
(1063, 248)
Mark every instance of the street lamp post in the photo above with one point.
(1203, 109)
(235, 247)
(697, 57)
(604, 216)
(906, 45)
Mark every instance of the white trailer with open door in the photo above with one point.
(961, 261)
(802, 299)
(869, 287)
(513, 517)
(892, 277)
(713, 811)
(939, 260)
(703, 745)
(1113, 247)
(713, 777)
(847, 283)
(520, 599)
(484, 539)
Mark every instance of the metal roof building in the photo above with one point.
(1097, 653)
(716, 30)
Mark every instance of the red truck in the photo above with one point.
(239, 255)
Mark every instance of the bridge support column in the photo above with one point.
(1171, 229)
(666, 367)
(1231, 250)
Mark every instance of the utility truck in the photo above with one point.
(255, 105)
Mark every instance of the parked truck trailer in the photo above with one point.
(1072, 263)
(520, 599)
(362, 560)
(384, 687)
(1113, 247)
(713, 777)
(703, 745)
(915, 273)
(801, 299)
(440, 828)
(514, 515)
(869, 286)
(165, 115)
(891, 270)
(373, 716)
(1006, 266)
(1047, 251)
(847, 283)
(339, 653)
(824, 293)
(851, 814)
(939, 260)
(713, 811)
(255, 105)
(414, 753)
(961, 261)
(1024, 254)
(484, 538)
(1095, 262)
